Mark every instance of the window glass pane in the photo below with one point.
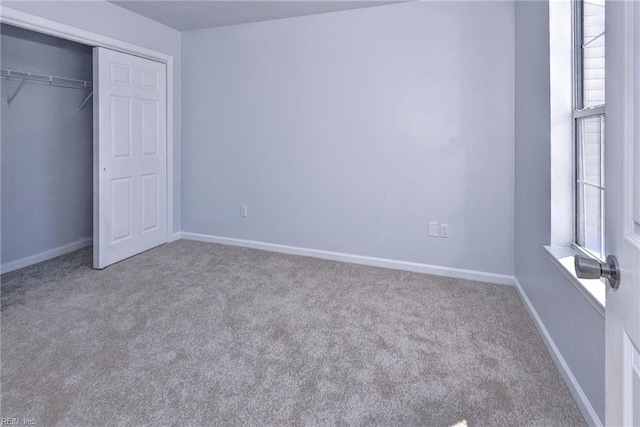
(590, 221)
(589, 22)
(590, 183)
(589, 134)
(593, 53)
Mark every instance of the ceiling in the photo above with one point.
(187, 15)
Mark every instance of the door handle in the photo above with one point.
(589, 268)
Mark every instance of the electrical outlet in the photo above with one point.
(243, 211)
(444, 230)
(434, 229)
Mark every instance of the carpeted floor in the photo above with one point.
(200, 334)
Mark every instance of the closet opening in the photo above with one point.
(46, 191)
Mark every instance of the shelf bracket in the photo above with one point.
(85, 101)
(16, 92)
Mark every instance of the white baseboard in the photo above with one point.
(46, 255)
(481, 276)
(590, 415)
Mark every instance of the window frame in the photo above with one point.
(579, 112)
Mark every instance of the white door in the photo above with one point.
(622, 391)
(130, 156)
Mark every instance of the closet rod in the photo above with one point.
(43, 78)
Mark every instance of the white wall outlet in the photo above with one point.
(243, 211)
(444, 230)
(434, 229)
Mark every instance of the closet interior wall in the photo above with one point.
(47, 147)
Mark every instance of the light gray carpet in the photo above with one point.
(200, 334)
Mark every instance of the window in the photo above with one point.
(589, 123)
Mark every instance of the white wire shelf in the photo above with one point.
(53, 80)
(43, 78)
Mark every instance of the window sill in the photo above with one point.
(593, 290)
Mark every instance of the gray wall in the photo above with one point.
(113, 21)
(46, 150)
(575, 326)
(349, 131)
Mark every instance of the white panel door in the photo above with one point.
(622, 209)
(130, 155)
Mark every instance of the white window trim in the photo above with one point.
(561, 249)
(589, 112)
